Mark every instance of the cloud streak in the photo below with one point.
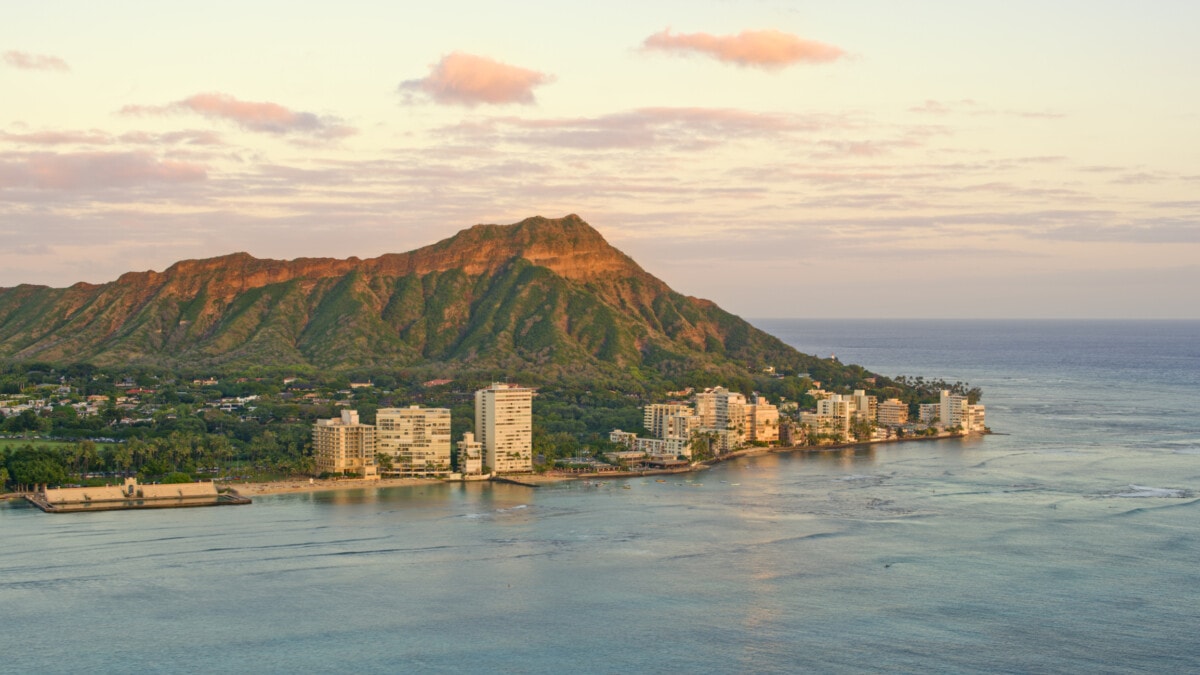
(90, 170)
(470, 80)
(665, 127)
(26, 61)
(257, 116)
(767, 49)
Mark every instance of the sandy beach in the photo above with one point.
(304, 485)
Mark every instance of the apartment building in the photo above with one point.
(893, 413)
(416, 438)
(503, 423)
(761, 421)
(670, 420)
(470, 455)
(953, 410)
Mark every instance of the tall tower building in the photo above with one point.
(504, 427)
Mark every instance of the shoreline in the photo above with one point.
(301, 485)
(304, 485)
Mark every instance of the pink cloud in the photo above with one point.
(26, 61)
(84, 170)
(769, 49)
(467, 79)
(263, 117)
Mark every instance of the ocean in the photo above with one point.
(1066, 542)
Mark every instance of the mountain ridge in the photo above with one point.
(541, 292)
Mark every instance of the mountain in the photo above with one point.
(537, 294)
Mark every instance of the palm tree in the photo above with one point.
(86, 452)
(383, 461)
(122, 458)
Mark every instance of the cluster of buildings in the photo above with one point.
(857, 416)
(722, 419)
(415, 441)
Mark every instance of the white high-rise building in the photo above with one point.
(661, 419)
(417, 439)
(671, 422)
(865, 407)
(953, 408)
(731, 412)
(719, 408)
(504, 426)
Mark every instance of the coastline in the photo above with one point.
(301, 485)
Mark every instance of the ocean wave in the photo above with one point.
(496, 512)
(1143, 491)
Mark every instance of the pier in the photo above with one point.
(131, 496)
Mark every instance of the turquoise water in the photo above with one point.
(1067, 545)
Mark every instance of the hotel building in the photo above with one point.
(343, 445)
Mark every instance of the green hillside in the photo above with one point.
(543, 295)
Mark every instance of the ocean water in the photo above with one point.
(1067, 542)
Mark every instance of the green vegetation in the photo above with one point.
(164, 425)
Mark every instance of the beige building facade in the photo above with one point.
(893, 413)
(470, 455)
(416, 438)
(344, 445)
(762, 421)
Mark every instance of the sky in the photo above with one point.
(784, 159)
